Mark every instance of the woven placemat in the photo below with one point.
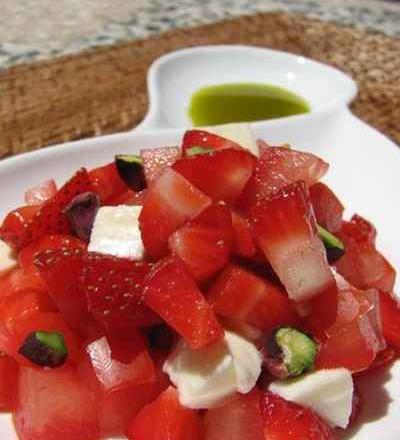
(104, 90)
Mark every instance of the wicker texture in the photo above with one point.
(104, 90)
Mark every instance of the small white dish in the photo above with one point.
(173, 78)
(364, 172)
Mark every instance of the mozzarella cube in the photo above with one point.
(206, 377)
(327, 392)
(7, 258)
(237, 132)
(116, 232)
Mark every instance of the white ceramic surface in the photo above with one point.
(174, 77)
(364, 173)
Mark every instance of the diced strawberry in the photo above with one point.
(129, 197)
(355, 337)
(278, 167)
(107, 183)
(166, 418)
(55, 405)
(241, 295)
(155, 160)
(39, 194)
(114, 291)
(59, 268)
(390, 314)
(244, 245)
(284, 227)
(205, 243)
(222, 175)
(383, 359)
(328, 209)
(8, 382)
(240, 419)
(15, 225)
(169, 203)
(285, 420)
(162, 379)
(50, 218)
(49, 242)
(202, 138)
(172, 293)
(362, 264)
(18, 280)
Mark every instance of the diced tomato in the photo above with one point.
(166, 418)
(244, 245)
(8, 382)
(205, 243)
(172, 293)
(278, 167)
(242, 295)
(240, 419)
(107, 183)
(390, 314)
(15, 224)
(284, 227)
(285, 420)
(114, 291)
(170, 202)
(55, 405)
(120, 362)
(362, 264)
(355, 338)
(222, 175)
(49, 242)
(328, 208)
(155, 160)
(201, 138)
(39, 194)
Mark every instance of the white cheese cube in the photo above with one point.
(327, 392)
(206, 377)
(116, 232)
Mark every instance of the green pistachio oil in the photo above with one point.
(243, 102)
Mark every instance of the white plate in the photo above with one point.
(364, 172)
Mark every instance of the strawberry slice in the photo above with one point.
(50, 218)
(202, 138)
(278, 167)
(166, 418)
(285, 229)
(169, 203)
(390, 315)
(155, 160)
(241, 295)
(172, 293)
(362, 264)
(285, 420)
(14, 226)
(205, 243)
(221, 175)
(244, 245)
(114, 291)
(327, 207)
(59, 268)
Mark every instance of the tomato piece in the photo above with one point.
(54, 404)
(107, 183)
(164, 419)
(39, 194)
(8, 382)
(240, 419)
